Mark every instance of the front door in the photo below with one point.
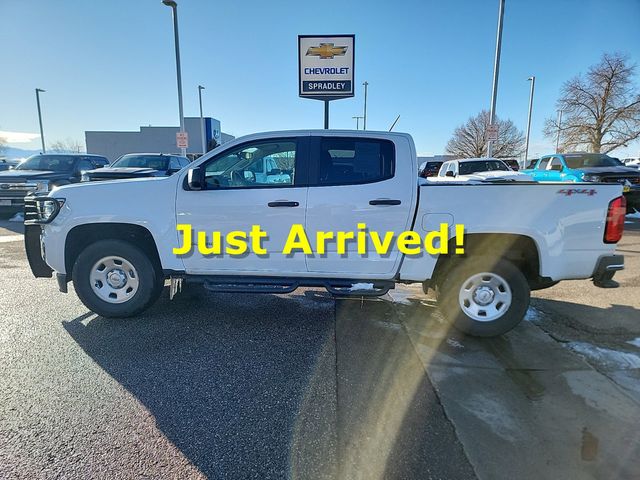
(355, 180)
(238, 196)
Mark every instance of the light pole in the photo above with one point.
(532, 79)
(38, 90)
(364, 116)
(559, 128)
(174, 9)
(204, 146)
(357, 119)
(496, 71)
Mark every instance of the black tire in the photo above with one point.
(451, 287)
(149, 276)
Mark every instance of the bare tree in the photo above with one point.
(601, 110)
(470, 139)
(67, 146)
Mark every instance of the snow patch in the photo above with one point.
(634, 215)
(361, 286)
(454, 343)
(635, 342)
(533, 315)
(18, 217)
(605, 357)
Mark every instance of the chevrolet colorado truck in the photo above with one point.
(115, 240)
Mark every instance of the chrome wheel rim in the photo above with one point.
(114, 279)
(485, 296)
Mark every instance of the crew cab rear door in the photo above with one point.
(359, 179)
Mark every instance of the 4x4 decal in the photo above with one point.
(577, 191)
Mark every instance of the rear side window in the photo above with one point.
(349, 161)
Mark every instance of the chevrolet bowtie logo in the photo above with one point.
(326, 50)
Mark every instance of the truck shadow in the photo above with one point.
(224, 376)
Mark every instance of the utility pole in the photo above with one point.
(174, 9)
(204, 142)
(559, 128)
(532, 79)
(357, 119)
(38, 90)
(496, 71)
(364, 117)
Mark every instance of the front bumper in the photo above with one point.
(33, 248)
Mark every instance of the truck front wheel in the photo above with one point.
(114, 278)
(484, 298)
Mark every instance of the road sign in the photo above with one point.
(325, 66)
(492, 132)
(182, 140)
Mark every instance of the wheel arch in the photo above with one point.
(521, 250)
(81, 236)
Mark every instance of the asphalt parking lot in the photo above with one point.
(307, 386)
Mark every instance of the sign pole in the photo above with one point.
(326, 114)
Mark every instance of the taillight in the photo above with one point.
(615, 220)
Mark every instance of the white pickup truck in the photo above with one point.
(116, 240)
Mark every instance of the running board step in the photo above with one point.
(249, 287)
(359, 289)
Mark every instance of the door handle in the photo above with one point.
(384, 201)
(283, 204)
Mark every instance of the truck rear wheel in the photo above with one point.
(484, 298)
(114, 278)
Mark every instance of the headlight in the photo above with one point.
(42, 186)
(591, 178)
(39, 210)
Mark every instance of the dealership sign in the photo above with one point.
(326, 66)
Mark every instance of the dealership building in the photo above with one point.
(153, 139)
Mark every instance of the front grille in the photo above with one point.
(16, 190)
(30, 208)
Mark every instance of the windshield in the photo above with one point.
(55, 163)
(584, 160)
(157, 162)
(481, 166)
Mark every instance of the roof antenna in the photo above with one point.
(394, 123)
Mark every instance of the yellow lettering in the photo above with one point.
(321, 239)
(257, 234)
(297, 240)
(341, 239)
(406, 239)
(185, 228)
(441, 236)
(215, 248)
(362, 238)
(381, 248)
(236, 243)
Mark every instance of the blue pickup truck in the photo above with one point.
(589, 167)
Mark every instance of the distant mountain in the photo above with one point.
(12, 152)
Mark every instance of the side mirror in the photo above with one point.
(195, 179)
(449, 173)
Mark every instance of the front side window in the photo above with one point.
(555, 164)
(267, 163)
(349, 161)
(543, 164)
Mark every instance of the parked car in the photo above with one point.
(39, 173)
(589, 167)
(119, 253)
(478, 169)
(138, 165)
(512, 163)
(633, 162)
(429, 169)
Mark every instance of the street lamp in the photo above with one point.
(174, 8)
(38, 90)
(496, 71)
(357, 119)
(364, 117)
(559, 128)
(204, 146)
(532, 79)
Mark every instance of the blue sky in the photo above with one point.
(109, 65)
